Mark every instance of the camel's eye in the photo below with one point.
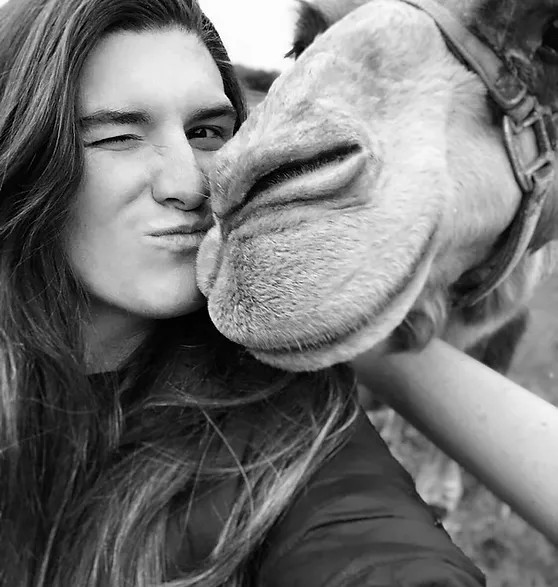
(549, 45)
(310, 24)
(296, 51)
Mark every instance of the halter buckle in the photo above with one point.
(531, 177)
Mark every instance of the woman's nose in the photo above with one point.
(180, 181)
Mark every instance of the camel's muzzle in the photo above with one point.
(327, 175)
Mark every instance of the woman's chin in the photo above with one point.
(171, 303)
(177, 309)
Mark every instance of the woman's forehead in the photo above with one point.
(149, 68)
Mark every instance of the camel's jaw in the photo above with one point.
(372, 332)
(273, 293)
(368, 331)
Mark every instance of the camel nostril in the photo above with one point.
(269, 180)
(292, 169)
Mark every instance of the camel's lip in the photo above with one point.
(317, 344)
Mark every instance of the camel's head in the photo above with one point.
(370, 179)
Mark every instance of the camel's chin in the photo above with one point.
(374, 333)
(326, 349)
(323, 357)
(258, 297)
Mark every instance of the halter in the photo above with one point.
(523, 115)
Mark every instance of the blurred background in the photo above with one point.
(256, 33)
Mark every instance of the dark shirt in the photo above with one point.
(360, 522)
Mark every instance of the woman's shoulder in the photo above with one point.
(359, 521)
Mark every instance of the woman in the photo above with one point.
(138, 447)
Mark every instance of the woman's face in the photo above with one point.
(153, 112)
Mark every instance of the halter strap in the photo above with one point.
(534, 171)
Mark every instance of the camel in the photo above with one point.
(370, 199)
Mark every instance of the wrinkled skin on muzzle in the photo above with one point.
(369, 179)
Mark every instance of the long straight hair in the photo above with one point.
(100, 482)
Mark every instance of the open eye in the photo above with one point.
(209, 138)
(549, 46)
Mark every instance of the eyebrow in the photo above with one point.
(141, 117)
(221, 110)
(121, 117)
